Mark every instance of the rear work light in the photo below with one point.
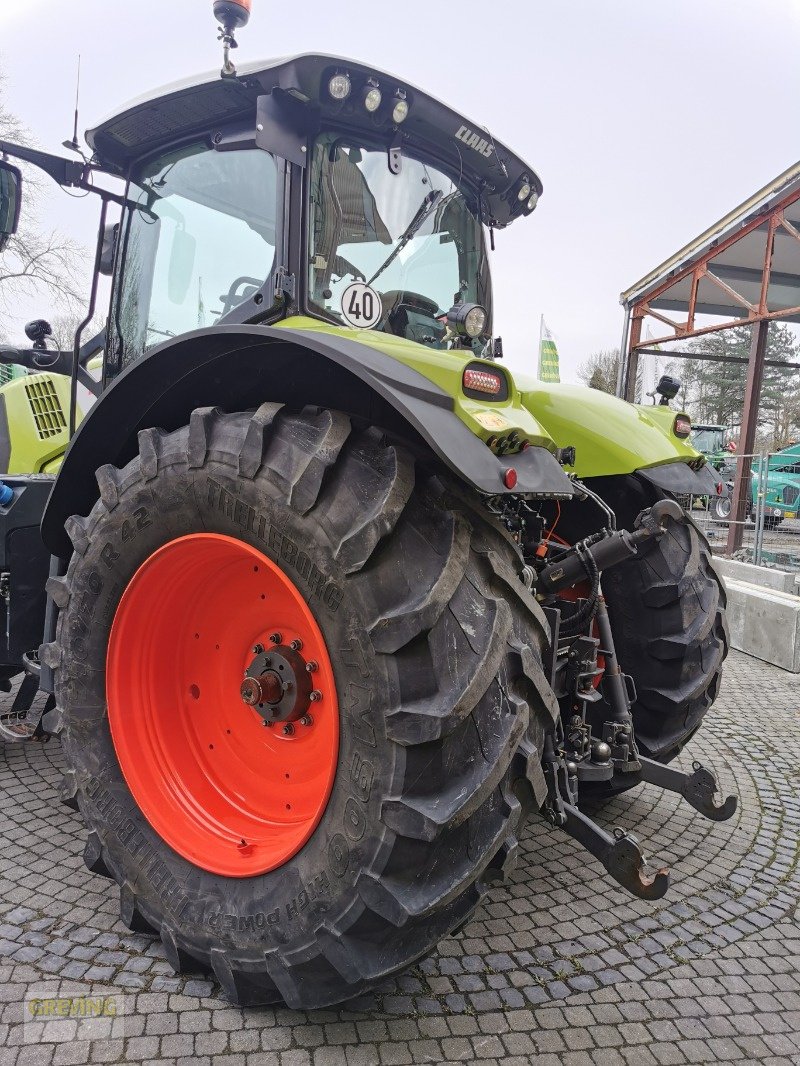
(482, 381)
(682, 427)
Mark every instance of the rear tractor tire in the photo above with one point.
(303, 700)
(667, 610)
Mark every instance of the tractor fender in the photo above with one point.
(236, 367)
(680, 479)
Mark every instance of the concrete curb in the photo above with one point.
(763, 612)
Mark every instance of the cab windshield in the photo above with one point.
(414, 238)
(708, 439)
(200, 241)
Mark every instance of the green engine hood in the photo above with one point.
(610, 436)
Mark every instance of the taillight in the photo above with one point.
(484, 381)
(682, 427)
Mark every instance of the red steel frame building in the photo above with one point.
(744, 269)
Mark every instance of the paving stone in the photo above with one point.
(560, 967)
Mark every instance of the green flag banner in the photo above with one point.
(548, 356)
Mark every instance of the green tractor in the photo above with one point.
(778, 480)
(34, 413)
(335, 601)
(711, 442)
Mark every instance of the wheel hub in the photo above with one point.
(277, 685)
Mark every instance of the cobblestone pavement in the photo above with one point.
(560, 967)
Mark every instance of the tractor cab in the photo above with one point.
(311, 184)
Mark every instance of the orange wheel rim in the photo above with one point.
(222, 705)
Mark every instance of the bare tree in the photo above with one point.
(599, 371)
(64, 326)
(36, 261)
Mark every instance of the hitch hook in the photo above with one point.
(620, 854)
(699, 789)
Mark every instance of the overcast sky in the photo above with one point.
(646, 121)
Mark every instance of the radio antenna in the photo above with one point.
(73, 144)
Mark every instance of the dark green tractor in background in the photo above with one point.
(779, 480)
(336, 602)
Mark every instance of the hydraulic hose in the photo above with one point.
(569, 568)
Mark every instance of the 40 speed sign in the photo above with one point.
(361, 305)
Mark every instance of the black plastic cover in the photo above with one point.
(26, 560)
(679, 478)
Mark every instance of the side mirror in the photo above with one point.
(10, 200)
(110, 235)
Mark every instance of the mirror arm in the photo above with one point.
(66, 172)
(54, 362)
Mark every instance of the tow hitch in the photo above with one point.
(699, 788)
(575, 755)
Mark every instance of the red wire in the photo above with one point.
(551, 532)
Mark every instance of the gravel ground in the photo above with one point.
(560, 967)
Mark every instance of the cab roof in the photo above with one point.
(204, 103)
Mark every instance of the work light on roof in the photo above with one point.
(524, 191)
(533, 201)
(372, 96)
(339, 86)
(400, 110)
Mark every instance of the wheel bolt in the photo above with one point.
(306, 720)
(311, 666)
(275, 638)
(258, 649)
(296, 645)
(315, 695)
(288, 729)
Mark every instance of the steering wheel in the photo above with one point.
(232, 298)
(396, 305)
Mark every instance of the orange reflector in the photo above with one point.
(482, 381)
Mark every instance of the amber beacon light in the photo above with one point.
(231, 16)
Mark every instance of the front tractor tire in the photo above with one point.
(301, 847)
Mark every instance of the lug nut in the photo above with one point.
(258, 649)
(288, 729)
(296, 645)
(315, 695)
(311, 666)
(275, 638)
(306, 720)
